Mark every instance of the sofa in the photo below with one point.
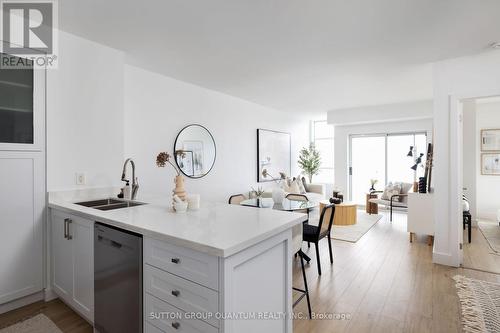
(314, 192)
(394, 200)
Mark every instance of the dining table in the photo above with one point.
(287, 205)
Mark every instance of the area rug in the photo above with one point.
(491, 231)
(480, 302)
(352, 233)
(37, 324)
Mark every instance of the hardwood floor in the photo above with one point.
(382, 283)
(65, 318)
(479, 255)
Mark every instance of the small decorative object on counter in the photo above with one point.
(161, 161)
(373, 182)
(193, 201)
(180, 206)
(278, 192)
(179, 187)
(257, 193)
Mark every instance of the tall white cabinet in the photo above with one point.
(22, 183)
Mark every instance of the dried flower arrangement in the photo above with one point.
(258, 192)
(163, 158)
(266, 174)
(161, 161)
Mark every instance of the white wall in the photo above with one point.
(466, 77)
(488, 187)
(84, 114)
(158, 107)
(409, 111)
(342, 134)
(470, 142)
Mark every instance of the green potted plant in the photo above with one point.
(309, 161)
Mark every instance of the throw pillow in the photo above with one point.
(294, 187)
(404, 189)
(390, 190)
(301, 185)
(304, 182)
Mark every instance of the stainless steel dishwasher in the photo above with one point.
(117, 280)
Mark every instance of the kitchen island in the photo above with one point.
(222, 268)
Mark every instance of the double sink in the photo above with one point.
(109, 204)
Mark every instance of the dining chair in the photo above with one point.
(313, 234)
(236, 199)
(297, 249)
(299, 197)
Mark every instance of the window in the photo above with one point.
(384, 157)
(323, 140)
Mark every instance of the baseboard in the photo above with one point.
(20, 302)
(443, 259)
(50, 295)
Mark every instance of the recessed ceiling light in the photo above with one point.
(495, 45)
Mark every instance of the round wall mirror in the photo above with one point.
(195, 151)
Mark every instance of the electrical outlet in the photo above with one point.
(80, 178)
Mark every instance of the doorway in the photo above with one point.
(481, 182)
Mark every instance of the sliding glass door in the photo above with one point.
(367, 162)
(384, 157)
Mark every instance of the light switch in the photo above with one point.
(80, 178)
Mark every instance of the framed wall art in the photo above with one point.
(490, 140)
(490, 164)
(273, 153)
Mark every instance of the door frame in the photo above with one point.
(456, 174)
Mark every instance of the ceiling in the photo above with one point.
(293, 55)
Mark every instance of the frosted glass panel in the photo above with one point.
(16, 104)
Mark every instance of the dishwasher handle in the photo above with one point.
(110, 241)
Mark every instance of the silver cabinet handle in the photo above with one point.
(66, 228)
(69, 222)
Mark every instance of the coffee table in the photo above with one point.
(345, 213)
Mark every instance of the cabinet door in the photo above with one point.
(22, 108)
(22, 203)
(82, 232)
(62, 257)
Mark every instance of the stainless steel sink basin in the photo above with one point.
(109, 204)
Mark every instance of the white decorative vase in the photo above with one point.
(278, 195)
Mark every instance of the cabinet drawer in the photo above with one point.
(169, 319)
(184, 294)
(189, 264)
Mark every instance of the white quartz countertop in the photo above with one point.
(216, 228)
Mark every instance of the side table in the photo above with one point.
(371, 208)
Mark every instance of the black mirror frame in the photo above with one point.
(215, 150)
